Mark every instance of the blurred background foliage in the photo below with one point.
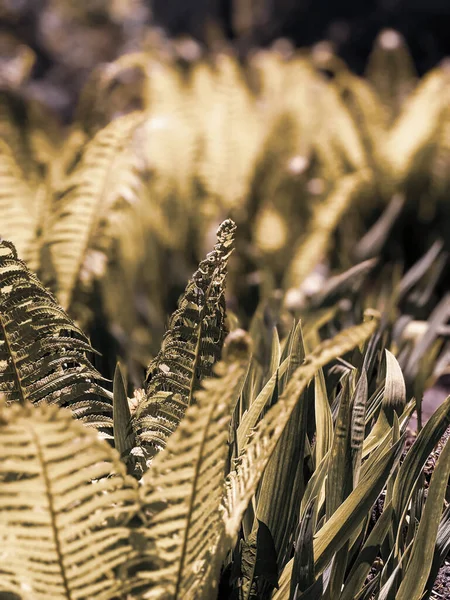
(69, 38)
(129, 130)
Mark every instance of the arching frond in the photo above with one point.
(43, 354)
(313, 246)
(187, 480)
(190, 347)
(230, 126)
(17, 206)
(30, 136)
(391, 71)
(85, 215)
(368, 114)
(418, 122)
(339, 131)
(16, 129)
(65, 505)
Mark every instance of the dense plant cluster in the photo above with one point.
(260, 445)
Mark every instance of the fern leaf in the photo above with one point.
(187, 479)
(65, 504)
(391, 71)
(13, 121)
(104, 182)
(190, 347)
(418, 123)
(42, 352)
(242, 483)
(17, 200)
(231, 131)
(30, 136)
(326, 218)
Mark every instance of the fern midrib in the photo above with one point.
(191, 500)
(51, 508)
(11, 354)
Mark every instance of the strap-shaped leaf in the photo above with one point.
(394, 401)
(65, 502)
(183, 488)
(303, 562)
(420, 561)
(255, 411)
(43, 354)
(441, 550)
(367, 556)
(259, 570)
(417, 457)
(323, 418)
(339, 480)
(123, 439)
(190, 347)
(357, 425)
(282, 484)
(242, 483)
(348, 517)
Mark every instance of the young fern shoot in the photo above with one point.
(190, 348)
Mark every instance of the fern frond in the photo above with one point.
(190, 347)
(231, 133)
(16, 129)
(42, 352)
(17, 206)
(391, 71)
(440, 163)
(418, 122)
(85, 215)
(339, 131)
(187, 480)
(368, 114)
(242, 483)
(312, 248)
(33, 135)
(63, 523)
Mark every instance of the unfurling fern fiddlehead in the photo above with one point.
(190, 347)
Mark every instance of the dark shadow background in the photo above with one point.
(71, 37)
(350, 24)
